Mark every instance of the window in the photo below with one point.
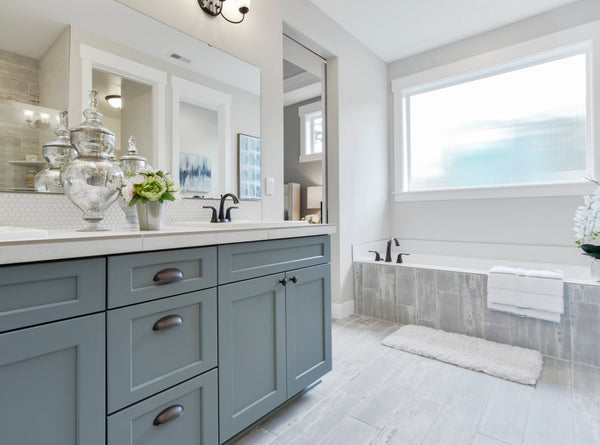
(513, 125)
(311, 132)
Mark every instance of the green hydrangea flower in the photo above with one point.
(153, 188)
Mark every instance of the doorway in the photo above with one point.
(305, 131)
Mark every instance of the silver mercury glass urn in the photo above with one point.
(131, 163)
(91, 180)
(57, 152)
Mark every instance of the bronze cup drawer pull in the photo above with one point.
(167, 415)
(168, 276)
(168, 322)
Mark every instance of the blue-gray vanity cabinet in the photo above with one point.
(37, 293)
(183, 415)
(251, 351)
(153, 346)
(52, 383)
(136, 278)
(308, 326)
(249, 260)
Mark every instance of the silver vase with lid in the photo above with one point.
(91, 180)
(131, 163)
(57, 152)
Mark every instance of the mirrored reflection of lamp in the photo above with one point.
(314, 199)
(114, 100)
(36, 120)
(215, 8)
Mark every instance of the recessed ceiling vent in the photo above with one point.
(180, 58)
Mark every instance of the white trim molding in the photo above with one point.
(94, 58)
(584, 38)
(189, 92)
(343, 310)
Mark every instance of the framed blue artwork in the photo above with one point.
(249, 167)
(195, 174)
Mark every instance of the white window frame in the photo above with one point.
(303, 112)
(584, 39)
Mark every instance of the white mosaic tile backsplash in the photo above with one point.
(57, 212)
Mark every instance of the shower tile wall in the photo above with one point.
(19, 78)
(457, 302)
(19, 81)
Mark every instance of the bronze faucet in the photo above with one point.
(223, 216)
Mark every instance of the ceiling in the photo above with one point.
(395, 29)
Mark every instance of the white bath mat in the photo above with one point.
(507, 362)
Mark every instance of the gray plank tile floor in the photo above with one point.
(378, 395)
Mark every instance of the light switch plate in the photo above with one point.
(269, 186)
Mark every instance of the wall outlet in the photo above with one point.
(269, 186)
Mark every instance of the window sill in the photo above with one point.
(512, 191)
(310, 158)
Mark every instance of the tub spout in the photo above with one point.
(388, 251)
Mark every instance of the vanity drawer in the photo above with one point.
(248, 260)
(195, 399)
(156, 345)
(147, 276)
(37, 293)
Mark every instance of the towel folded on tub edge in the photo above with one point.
(526, 292)
(511, 297)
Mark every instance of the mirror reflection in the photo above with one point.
(185, 102)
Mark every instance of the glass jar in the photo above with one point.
(57, 153)
(131, 163)
(91, 180)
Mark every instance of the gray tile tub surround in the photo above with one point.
(457, 302)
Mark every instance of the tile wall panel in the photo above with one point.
(457, 302)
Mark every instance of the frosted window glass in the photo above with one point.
(519, 127)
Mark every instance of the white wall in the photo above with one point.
(136, 118)
(54, 73)
(358, 144)
(534, 229)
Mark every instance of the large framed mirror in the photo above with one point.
(183, 100)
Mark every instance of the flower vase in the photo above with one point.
(150, 215)
(595, 269)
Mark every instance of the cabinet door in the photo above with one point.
(308, 326)
(52, 383)
(251, 351)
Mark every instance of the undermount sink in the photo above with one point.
(11, 233)
(242, 224)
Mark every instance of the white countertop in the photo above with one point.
(61, 244)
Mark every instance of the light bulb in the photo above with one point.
(243, 6)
